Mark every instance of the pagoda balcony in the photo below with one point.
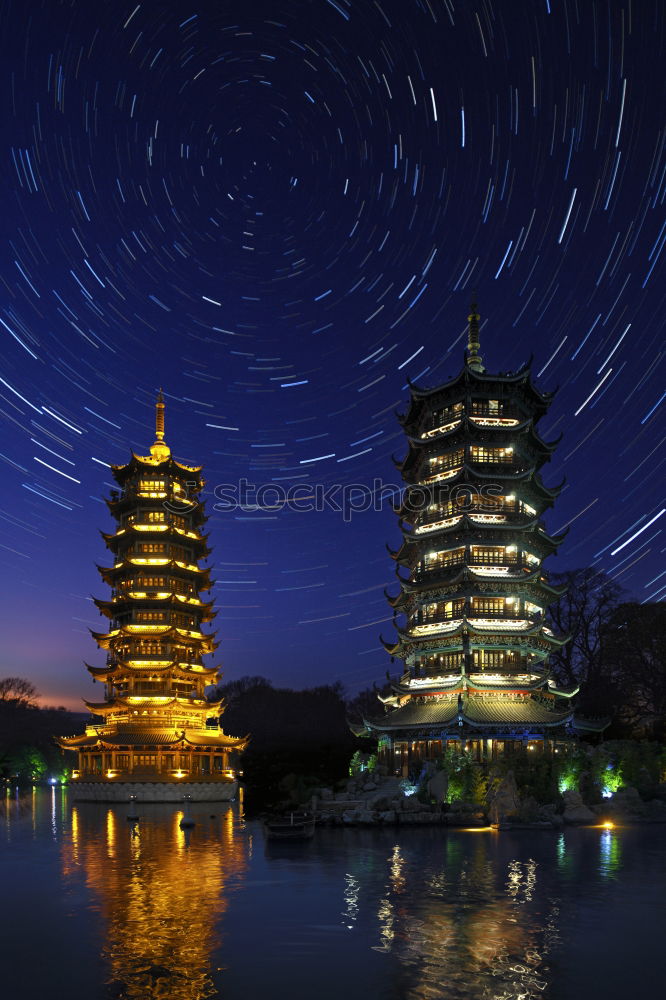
(509, 614)
(506, 416)
(504, 568)
(478, 513)
(441, 475)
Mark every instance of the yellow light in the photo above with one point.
(607, 825)
(147, 562)
(150, 527)
(156, 629)
(148, 663)
(180, 774)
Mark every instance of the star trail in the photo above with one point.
(279, 212)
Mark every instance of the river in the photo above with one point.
(96, 907)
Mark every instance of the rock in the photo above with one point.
(575, 810)
(388, 816)
(369, 786)
(470, 818)
(412, 804)
(438, 786)
(350, 816)
(576, 815)
(627, 800)
(379, 802)
(366, 816)
(325, 794)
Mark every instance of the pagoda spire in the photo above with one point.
(474, 359)
(159, 416)
(160, 450)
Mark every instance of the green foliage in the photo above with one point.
(362, 762)
(626, 763)
(466, 777)
(27, 764)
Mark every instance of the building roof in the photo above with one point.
(475, 711)
(152, 738)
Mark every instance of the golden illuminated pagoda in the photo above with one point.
(156, 733)
(470, 613)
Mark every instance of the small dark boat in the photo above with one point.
(290, 826)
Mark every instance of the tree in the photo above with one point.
(18, 692)
(364, 705)
(634, 657)
(583, 612)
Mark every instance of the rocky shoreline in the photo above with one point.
(385, 802)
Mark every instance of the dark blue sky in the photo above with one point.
(278, 211)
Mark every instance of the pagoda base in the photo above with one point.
(153, 791)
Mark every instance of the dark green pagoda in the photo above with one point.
(470, 612)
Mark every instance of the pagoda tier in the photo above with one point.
(159, 695)
(470, 611)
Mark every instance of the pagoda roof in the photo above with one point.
(472, 380)
(113, 669)
(132, 701)
(465, 578)
(164, 464)
(462, 681)
(153, 632)
(153, 737)
(474, 534)
(470, 432)
(108, 573)
(476, 711)
(112, 606)
(470, 473)
(166, 531)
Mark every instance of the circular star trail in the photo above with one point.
(279, 212)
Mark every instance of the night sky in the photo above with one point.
(279, 212)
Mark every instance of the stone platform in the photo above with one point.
(153, 791)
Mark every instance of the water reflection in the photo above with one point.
(472, 925)
(161, 891)
(610, 853)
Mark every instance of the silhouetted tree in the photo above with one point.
(16, 692)
(634, 658)
(582, 613)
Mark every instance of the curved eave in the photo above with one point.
(563, 692)
(465, 578)
(147, 701)
(590, 725)
(170, 564)
(468, 429)
(121, 667)
(170, 632)
(392, 648)
(111, 608)
(169, 463)
(469, 377)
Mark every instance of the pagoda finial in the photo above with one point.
(160, 450)
(474, 359)
(159, 416)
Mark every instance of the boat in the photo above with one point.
(289, 826)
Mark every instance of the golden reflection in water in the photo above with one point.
(469, 928)
(161, 892)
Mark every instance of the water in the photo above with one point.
(93, 908)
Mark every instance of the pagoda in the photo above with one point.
(470, 612)
(156, 732)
